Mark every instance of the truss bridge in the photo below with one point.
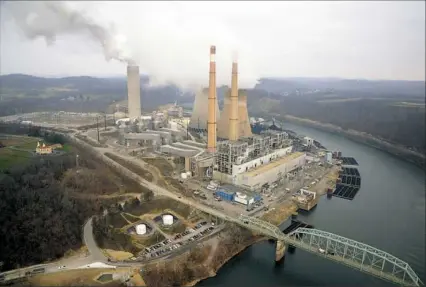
(351, 253)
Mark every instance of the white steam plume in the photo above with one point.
(50, 19)
(168, 41)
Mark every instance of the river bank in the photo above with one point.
(213, 272)
(361, 137)
(285, 210)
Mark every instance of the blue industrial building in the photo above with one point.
(225, 194)
(229, 192)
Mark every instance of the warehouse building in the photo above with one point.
(271, 172)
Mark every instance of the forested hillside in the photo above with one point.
(45, 202)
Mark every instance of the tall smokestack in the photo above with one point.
(233, 117)
(211, 124)
(133, 92)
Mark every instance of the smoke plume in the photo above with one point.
(168, 41)
(49, 19)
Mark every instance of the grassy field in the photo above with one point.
(118, 255)
(160, 205)
(142, 242)
(9, 157)
(131, 166)
(175, 229)
(78, 277)
(130, 217)
(66, 148)
(116, 220)
(162, 164)
(280, 213)
(30, 145)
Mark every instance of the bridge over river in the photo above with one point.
(356, 255)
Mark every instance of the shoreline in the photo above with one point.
(400, 152)
(213, 273)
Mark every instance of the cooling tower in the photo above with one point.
(133, 92)
(223, 123)
(200, 111)
(211, 124)
(243, 119)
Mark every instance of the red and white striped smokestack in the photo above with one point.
(211, 123)
(233, 117)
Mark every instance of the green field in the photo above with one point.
(9, 157)
(29, 145)
(66, 147)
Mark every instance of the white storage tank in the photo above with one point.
(141, 229)
(167, 219)
(188, 174)
(184, 175)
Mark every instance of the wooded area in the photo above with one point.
(45, 202)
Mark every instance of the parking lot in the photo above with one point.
(180, 240)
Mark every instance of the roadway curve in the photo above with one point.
(89, 240)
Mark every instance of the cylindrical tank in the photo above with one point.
(141, 229)
(184, 175)
(167, 219)
(188, 173)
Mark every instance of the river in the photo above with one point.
(387, 213)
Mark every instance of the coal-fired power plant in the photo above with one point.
(211, 124)
(133, 92)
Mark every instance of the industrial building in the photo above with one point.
(232, 193)
(236, 158)
(271, 172)
(307, 141)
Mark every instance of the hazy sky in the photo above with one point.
(170, 40)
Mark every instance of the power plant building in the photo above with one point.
(272, 171)
(133, 92)
(237, 161)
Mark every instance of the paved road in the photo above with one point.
(89, 240)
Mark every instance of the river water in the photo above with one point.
(388, 213)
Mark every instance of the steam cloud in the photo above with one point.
(167, 46)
